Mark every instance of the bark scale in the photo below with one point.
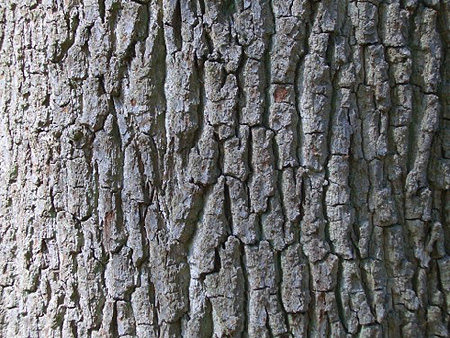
(242, 168)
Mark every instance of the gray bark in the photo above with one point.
(175, 168)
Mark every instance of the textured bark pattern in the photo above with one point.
(175, 168)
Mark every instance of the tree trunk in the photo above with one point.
(205, 168)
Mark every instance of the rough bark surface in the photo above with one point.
(175, 168)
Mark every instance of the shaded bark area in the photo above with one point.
(242, 168)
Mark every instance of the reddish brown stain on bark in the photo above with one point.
(280, 94)
(109, 216)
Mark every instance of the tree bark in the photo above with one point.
(176, 168)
